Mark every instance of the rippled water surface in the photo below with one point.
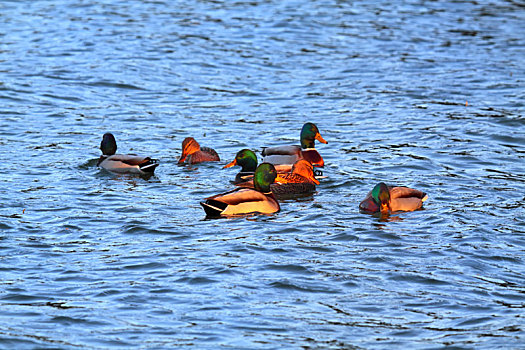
(427, 94)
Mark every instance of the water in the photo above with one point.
(419, 93)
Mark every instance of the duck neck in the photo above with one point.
(307, 143)
(248, 165)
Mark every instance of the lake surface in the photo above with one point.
(427, 94)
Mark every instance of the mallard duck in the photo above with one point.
(247, 160)
(195, 153)
(299, 182)
(123, 163)
(246, 200)
(291, 154)
(386, 199)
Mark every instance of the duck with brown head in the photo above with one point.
(193, 153)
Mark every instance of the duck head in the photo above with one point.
(246, 159)
(108, 146)
(306, 169)
(189, 146)
(381, 196)
(264, 176)
(310, 133)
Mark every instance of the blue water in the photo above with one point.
(427, 94)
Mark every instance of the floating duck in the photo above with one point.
(247, 160)
(386, 199)
(123, 163)
(291, 154)
(195, 153)
(246, 200)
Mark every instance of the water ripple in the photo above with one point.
(422, 94)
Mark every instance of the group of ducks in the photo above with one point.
(286, 172)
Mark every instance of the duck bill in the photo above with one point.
(319, 138)
(229, 165)
(384, 208)
(315, 180)
(182, 158)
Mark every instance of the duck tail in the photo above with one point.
(213, 208)
(149, 165)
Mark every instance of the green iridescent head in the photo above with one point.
(246, 159)
(310, 133)
(108, 146)
(381, 196)
(264, 176)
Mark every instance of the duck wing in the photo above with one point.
(405, 192)
(145, 164)
(289, 178)
(239, 195)
(281, 154)
(128, 159)
(406, 199)
(205, 154)
(281, 150)
(240, 201)
(292, 190)
(123, 163)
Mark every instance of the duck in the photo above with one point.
(290, 154)
(247, 160)
(300, 181)
(193, 153)
(386, 199)
(123, 163)
(242, 201)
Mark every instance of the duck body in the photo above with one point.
(123, 163)
(193, 153)
(242, 201)
(292, 153)
(387, 199)
(292, 190)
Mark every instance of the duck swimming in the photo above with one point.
(386, 199)
(247, 160)
(193, 153)
(241, 201)
(123, 163)
(291, 154)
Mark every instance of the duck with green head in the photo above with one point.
(241, 201)
(247, 160)
(291, 154)
(123, 163)
(387, 199)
